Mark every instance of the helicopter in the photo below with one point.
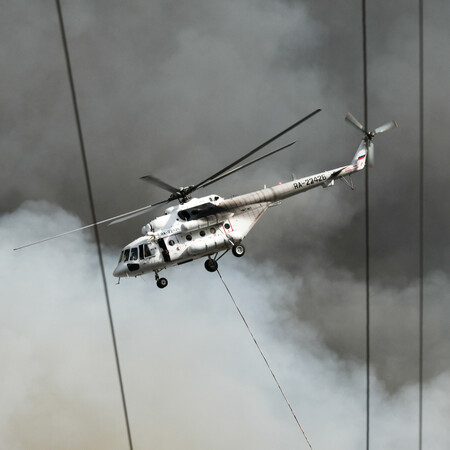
(210, 226)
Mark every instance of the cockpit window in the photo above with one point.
(134, 254)
(146, 251)
(121, 255)
(126, 255)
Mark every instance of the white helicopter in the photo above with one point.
(210, 226)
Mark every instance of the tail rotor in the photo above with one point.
(351, 118)
(369, 135)
(386, 127)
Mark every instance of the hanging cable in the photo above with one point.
(421, 217)
(366, 126)
(265, 359)
(92, 207)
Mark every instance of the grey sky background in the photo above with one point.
(178, 90)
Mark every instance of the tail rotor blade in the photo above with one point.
(386, 127)
(350, 118)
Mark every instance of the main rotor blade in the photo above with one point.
(350, 118)
(246, 164)
(113, 219)
(386, 127)
(162, 184)
(225, 169)
(135, 213)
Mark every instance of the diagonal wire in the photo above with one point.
(364, 32)
(421, 220)
(92, 207)
(265, 359)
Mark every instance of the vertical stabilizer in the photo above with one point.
(361, 155)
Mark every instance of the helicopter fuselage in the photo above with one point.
(207, 226)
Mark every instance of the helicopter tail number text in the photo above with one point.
(309, 181)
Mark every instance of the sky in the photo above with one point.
(179, 90)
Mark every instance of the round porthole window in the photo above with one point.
(202, 233)
(227, 226)
(171, 242)
(212, 230)
(188, 237)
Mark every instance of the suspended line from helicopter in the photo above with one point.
(265, 359)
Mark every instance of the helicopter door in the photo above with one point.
(146, 252)
(164, 250)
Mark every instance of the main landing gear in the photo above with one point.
(211, 265)
(160, 282)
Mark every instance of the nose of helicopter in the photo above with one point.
(120, 270)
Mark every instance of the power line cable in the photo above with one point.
(421, 219)
(93, 214)
(264, 357)
(367, 217)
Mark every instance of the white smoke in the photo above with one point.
(193, 377)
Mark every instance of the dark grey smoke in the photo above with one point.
(180, 90)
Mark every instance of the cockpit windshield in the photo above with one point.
(134, 254)
(137, 253)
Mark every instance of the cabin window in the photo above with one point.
(227, 226)
(188, 237)
(126, 255)
(134, 254)
(202, 233)
(171, 242)
(212, 230)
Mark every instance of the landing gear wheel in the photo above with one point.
(162, 282)
(238, 250)
(211, 265)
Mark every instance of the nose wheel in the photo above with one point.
(238, 250)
